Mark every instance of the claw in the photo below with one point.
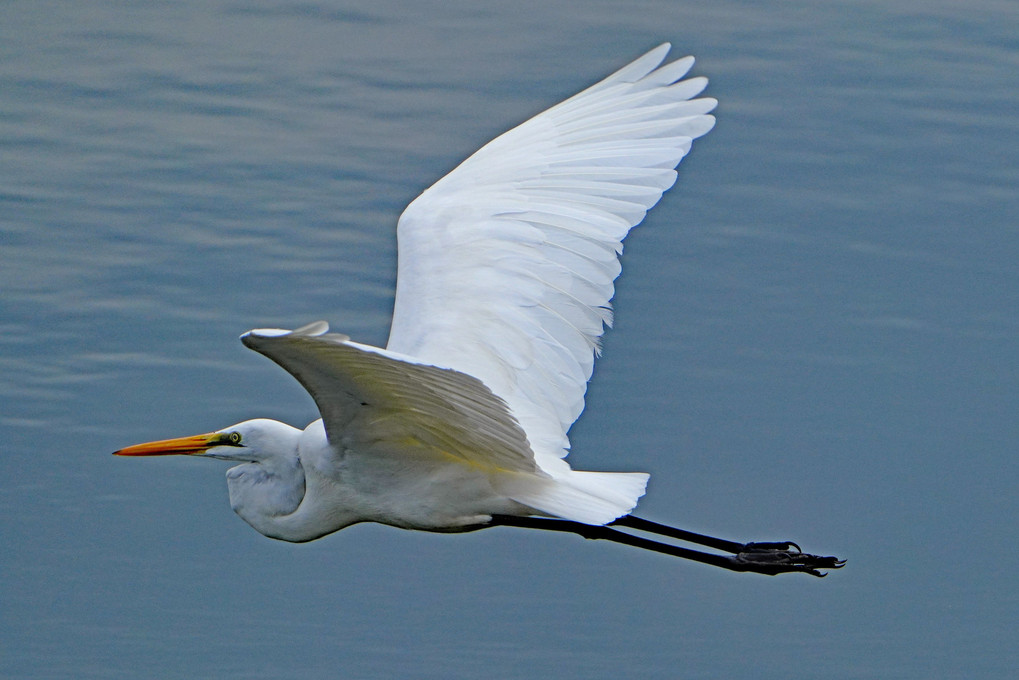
(780, 558)
(834, 564)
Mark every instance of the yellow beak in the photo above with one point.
(187, 446)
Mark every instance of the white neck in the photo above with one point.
(272, 492)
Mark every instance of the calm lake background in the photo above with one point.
(817, 337)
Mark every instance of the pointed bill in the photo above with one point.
(187, 446)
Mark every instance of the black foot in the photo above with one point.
(782, 558)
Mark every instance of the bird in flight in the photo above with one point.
(505, 276)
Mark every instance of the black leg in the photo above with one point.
(631, 522)
(761, 558)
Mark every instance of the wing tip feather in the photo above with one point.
(315, 329)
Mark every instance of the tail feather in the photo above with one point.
(589, 497)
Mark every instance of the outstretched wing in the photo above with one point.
(506, 265)
(375, 396)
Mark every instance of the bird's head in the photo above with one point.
(249, 442)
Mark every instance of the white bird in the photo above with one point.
(506, 270)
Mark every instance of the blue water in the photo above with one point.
(816, 337)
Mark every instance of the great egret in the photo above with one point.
(506, 270)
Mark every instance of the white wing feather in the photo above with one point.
(506, 265)
(368, 395)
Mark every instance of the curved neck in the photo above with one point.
(262, 492)
(318, 514)
(278, 499)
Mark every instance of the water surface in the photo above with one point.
(816, 337)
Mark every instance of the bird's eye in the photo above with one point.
(234, 438)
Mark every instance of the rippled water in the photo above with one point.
(816, 337)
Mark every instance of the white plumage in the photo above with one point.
(506, 270)
(506, 265)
